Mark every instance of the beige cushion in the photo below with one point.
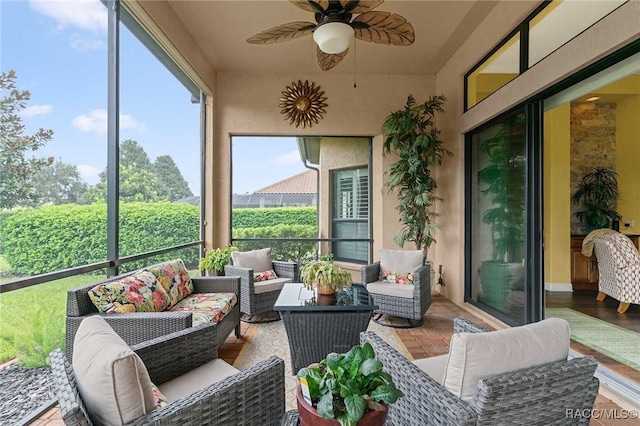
(401, 260)
(434, 366)
(389, 289)
(112, 380)
(197, 379)
(270, 285)
(475, 356)
(258, 260)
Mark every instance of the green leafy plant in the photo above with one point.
(216, 259)
(503, 180)
(343, 386)
(597, 194)
(325, 273)
(411, 134)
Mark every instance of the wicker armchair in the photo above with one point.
(532, 396)
(140, 326)
(259, 297)
(410, 302)
(254, 396)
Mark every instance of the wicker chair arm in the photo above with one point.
(557, 387)
(370, 273)
(463, 325)
(422, 281)
(287, 270)
(228, 284)
(135, 327)
(173, 355)
(425, 401)
(254, 396)
(72, 410)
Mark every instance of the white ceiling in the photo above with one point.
(221, 29)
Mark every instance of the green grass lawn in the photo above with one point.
(32, 320)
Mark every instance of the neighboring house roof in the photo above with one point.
(302, 183)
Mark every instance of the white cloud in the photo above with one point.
(82, 45)
(90, 174)
(291, 157)
(88, 15)
(96, 122)
(33, 110)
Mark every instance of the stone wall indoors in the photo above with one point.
(592, 143)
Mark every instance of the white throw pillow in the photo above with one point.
(258, 260)
(476, 356)
(113, 381)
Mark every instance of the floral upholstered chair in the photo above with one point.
(618, 266)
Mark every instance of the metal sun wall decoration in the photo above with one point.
(303, 103)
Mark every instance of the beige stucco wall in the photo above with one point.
(247, 104)
(611, 33)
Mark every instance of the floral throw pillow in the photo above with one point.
(140, 292)
(263, 276)
(161, 400)
(174, 278)
(397, 277)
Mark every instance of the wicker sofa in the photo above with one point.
(537, 395)
(212, 392)
(136, 327)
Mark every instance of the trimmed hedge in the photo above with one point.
(258, 218)
(53, 238)
(281, 250)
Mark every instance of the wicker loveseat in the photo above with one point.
(176, 379)
(135, 326)
(545, 393)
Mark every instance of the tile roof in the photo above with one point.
(302, 183)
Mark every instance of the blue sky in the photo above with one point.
(58, 50)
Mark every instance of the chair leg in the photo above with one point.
(622, 308)
(238, 333)
(601, 296)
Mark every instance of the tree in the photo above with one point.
(16, 179)
(172, 184)
(131, 153)
(411, 134)
(61, 184)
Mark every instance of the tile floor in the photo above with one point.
(432, 338)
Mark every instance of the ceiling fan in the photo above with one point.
(334, 29)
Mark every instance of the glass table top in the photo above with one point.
(295, 297)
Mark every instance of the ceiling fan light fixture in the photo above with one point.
(333, 37)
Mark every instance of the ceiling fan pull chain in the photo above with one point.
(354, 64)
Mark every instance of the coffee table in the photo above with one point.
(317, 325)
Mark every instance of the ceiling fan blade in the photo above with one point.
(383, 28)
(284, 32)
(355, 6)
(327, 60)
(306, 5)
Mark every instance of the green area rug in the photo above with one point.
(613, 341)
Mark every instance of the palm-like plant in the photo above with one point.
(411, 134)
(597, 193)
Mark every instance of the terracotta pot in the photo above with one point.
(325, 290)
(326, 300)
(310, 417)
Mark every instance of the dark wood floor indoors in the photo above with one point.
(585, 302)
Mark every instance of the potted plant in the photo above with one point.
(325, 276)
(597, 194)
(348, 389)
(503, 180)
(410, 133)
(216, 260)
